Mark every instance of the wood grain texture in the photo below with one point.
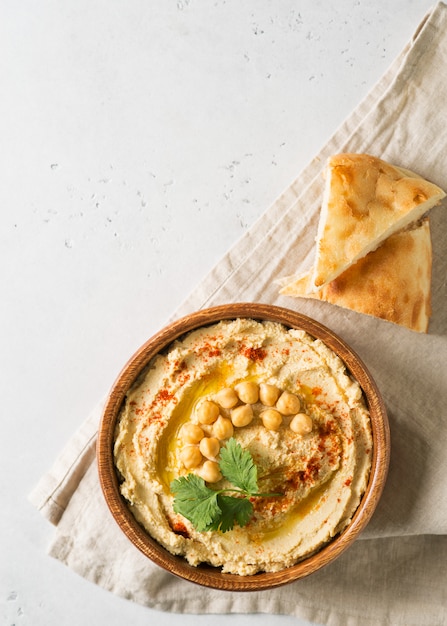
(210, 576)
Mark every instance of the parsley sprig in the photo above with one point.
(212, 509)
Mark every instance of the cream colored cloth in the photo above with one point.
(396, 573)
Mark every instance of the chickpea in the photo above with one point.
(288, 403)
(191, 433)
(248, 392)
(227, 398)
(209, 447)
(190, 456)
(207, 412)
(301, 424)
(210, 472)
(223, 428)
(271, 418)
(242, 415)
(268, 394)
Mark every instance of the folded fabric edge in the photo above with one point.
(53, 491)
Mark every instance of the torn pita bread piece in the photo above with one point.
(392, 282)
(365, 201)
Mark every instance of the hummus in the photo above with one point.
(316, 454)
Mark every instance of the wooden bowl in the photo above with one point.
(207, 575)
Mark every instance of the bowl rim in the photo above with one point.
(203, 574)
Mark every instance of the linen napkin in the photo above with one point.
(395, 573)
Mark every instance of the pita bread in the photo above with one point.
(365, 201)
(392, 282)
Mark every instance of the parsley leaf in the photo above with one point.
(195, 501)
(234, 509)
(237, 466)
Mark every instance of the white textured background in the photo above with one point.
(138, 141)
